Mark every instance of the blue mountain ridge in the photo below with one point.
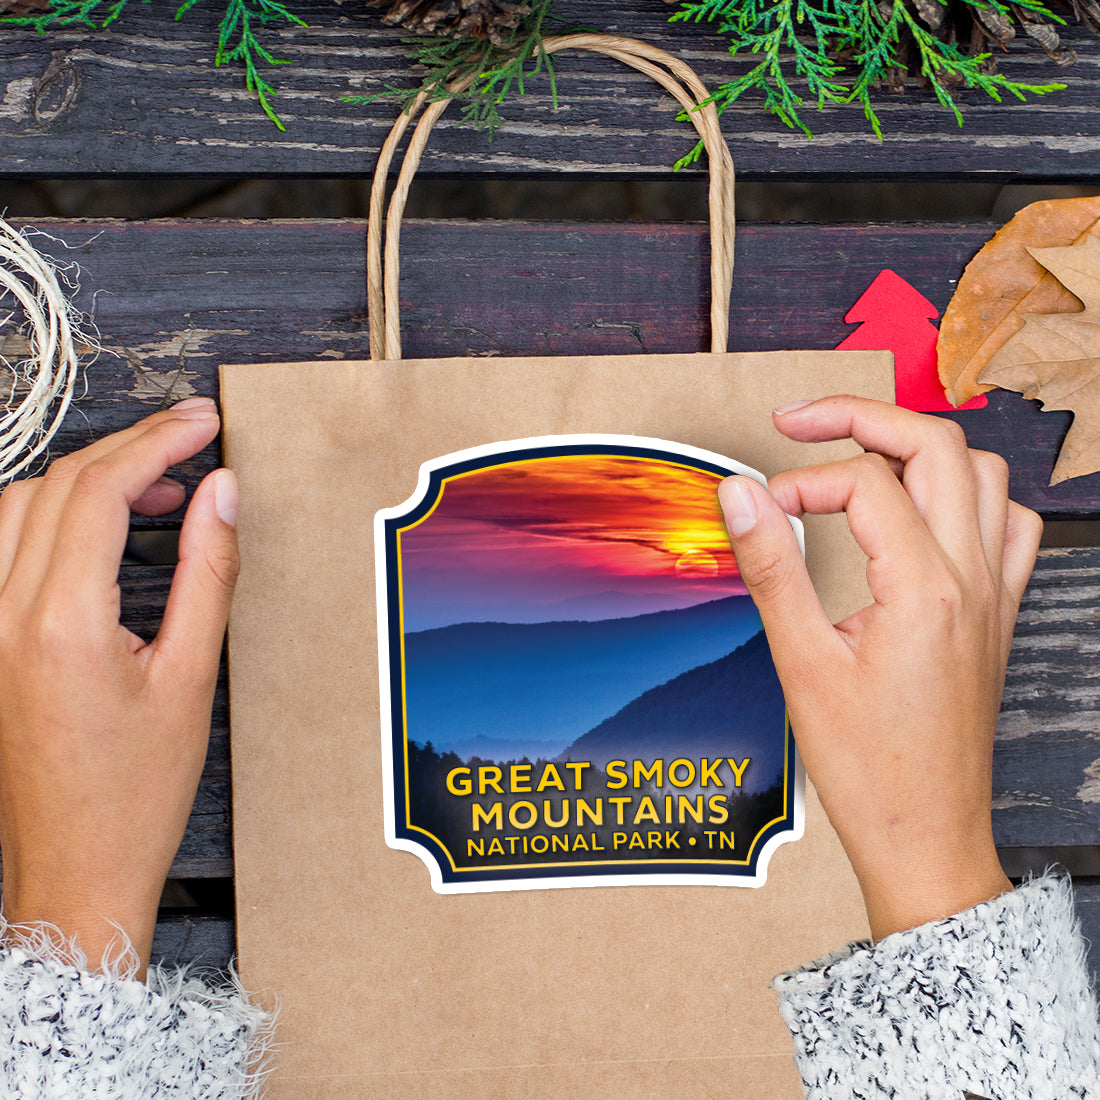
(504, 690)
(730, 707)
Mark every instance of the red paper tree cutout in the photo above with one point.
(894, 317)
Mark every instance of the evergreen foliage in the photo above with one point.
(497, 70)
(840, 51)
(237, 37)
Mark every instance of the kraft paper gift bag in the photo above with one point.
(390, 987)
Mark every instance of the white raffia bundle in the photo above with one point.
(42, 383)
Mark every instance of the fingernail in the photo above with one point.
(784, 409)
(226, 497)
(196, 407)
(738, 505)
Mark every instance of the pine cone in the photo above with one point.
(496, 20)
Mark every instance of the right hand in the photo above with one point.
(894, 709)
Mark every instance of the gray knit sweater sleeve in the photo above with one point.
(995, 1001)
(67, 1034)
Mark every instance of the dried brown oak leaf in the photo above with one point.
(1002, 283)
(23, 7)
(1055, 357)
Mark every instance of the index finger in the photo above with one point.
(77, 525)
(936, 469)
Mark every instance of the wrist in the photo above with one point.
(115, 938)
(896, 904)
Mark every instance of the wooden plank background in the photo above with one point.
(174, 299)
(144, 98)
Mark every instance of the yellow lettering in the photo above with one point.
(495, 847)
(494, 817)
(487, 777)
(636, 841)
(618, 840)
(550, 778)
(578, 770)
(692, 807)
(719, 814)
(654, 772)
(738, 770)
(685, 765)
(616, 776)
(458, 781)
(593, 815)
(519, 778)
(709, 772)
(620, 805)
(548, 817)
(647, 812)
(526, 807)
(475, 847)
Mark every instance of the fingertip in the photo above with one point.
(163, 496)
(738, 502)
(226, 496)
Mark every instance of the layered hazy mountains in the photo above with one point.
(693, 682)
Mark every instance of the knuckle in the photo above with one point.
(224, 566)
(766, 573)
(872, 464)
(64, 469)
(991, 467)
(1029, 522)
(951, 434)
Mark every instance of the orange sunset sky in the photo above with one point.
(581, 537)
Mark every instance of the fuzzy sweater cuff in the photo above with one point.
(996, 1001)
(67, 1033)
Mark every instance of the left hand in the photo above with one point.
(102, 736)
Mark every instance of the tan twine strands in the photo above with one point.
(670, 72)
(48, 375)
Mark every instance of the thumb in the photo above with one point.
(771, 565)
(190, 637)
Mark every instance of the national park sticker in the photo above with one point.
(576, 687)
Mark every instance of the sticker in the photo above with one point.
(576, 689)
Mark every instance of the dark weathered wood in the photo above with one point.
(144, 97)
(1047, 760)
(1048, 747)
(175, 299)
(207, 849)
(205, 941)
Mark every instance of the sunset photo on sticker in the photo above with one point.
(568, 537)
(577, 606)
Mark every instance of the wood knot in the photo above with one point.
(55, 90)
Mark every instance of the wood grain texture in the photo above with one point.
(144, 97)
(174, 299)
(200, 940)
(1046, 764)
(1046, 767)
(207, 848)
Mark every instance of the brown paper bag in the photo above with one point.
(388, 989)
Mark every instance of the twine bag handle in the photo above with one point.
(668, 71)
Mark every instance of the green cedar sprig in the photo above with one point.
(237, 39)
(841, 50)
(497, 71)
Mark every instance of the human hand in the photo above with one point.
(102, 736)
(894, 708)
